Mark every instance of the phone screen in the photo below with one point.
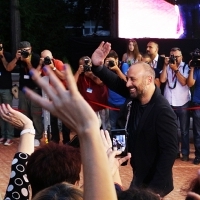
(119, 141)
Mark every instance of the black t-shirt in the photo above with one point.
(136, 113)
(24, 76)
(5, 76)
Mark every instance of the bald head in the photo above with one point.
(46, 53)
(143, 68)
(140, 81)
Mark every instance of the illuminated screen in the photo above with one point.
(148, 19)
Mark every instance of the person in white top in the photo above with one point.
(175, 73)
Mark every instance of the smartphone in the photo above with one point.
(119, 141)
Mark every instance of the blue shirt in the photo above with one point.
(196, 93)
(115, 99)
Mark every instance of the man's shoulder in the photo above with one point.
(58, 64)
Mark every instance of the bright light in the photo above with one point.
(148, 19)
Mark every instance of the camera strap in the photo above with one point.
(172, 84)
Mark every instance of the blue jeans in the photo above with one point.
(183, 115)
(196, 129)
(114, 115)
(7, 130)
(33, 111)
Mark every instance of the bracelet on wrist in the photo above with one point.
(28, 130)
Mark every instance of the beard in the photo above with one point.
(139, 91)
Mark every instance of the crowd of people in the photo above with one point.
(146, 94)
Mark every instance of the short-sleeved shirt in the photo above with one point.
(93, 92)
(24, 76)
(59, 66)
(174, 92)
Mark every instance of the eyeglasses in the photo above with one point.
(175, 56)
(175, 49)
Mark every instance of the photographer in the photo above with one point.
(194, 80)
(114, 100)
(7, 131)
(25, 60)
(93, 90)
(57, 67)
(175, 73)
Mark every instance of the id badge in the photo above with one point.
(89, 90)
(26, 77)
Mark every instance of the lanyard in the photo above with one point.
(87, 82)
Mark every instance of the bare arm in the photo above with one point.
(124, 57)
(70, 107)
(19, 120)
(11, 65)
(78, 72)
(4, 61)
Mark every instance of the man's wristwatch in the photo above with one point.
(54, 69)
(176, 71)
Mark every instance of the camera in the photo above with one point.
(86, 66)
(1, 48)
(119, 141)
(195, 58)
(172, 59)
(24, 54)
(111, 63)
(47, 60)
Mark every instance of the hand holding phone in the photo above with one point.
(119, 141)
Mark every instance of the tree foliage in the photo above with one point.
(43, 22)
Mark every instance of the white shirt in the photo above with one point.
(154, 62)
(180, 95)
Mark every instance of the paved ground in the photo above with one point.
(183, 171)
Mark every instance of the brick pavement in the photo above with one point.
(183, 171)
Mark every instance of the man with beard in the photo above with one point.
(151, 123)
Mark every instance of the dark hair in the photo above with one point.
(175, 49)
(51, 164)
(61, 191)
(154, 43)
(112, 54)
(136, 51)
(137, 194)
(146, 55)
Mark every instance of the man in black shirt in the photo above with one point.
(151, 123)
(7, 131)
(25, 59)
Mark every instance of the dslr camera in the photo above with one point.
(24, 53)
(195, 58)
(47, 60)
(86, 66)
(111, 63)
(172, 59)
